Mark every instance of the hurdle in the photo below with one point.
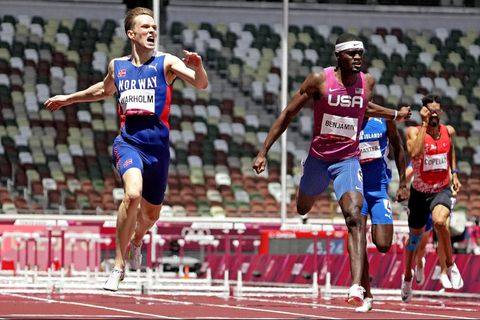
(33, 281)
(26, 238)
(276, 291)
(90, 240)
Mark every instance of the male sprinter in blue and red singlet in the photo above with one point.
(143, 82)
(376, 138)
(341, 97)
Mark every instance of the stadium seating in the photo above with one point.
(406, 63)
(62, 159)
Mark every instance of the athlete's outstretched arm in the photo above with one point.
(98, 91)
(453, 160)
(375, 110)
(189, 69)
(399, 153)
(311, 85)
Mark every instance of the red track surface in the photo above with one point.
(118, 305)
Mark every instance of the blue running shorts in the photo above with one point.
(376, 203)
(346, 175)
(152, 162)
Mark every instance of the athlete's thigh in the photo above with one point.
(128, 162)
(132, 182)
(381, 209)
(347, 177)
(441, 205)
(381, 216)
(440, 213)
(314, 179)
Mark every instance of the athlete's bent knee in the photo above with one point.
(440, 225)
(383, 248)
(353, 221)
(132, 196)
(303, 210)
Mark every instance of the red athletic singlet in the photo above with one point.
(431, 170)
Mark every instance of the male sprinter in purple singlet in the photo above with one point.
(143, 82)
(341, 100)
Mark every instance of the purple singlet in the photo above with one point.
(338, 117)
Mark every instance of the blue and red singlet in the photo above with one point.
(144, 106)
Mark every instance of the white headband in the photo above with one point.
(349, 45)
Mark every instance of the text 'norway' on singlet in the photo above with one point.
(143, 100)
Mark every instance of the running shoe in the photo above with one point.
(455, 277)
(355, 295)
(445, 281)
(406, 291)
(366, 306)
(420, 273)
(116, 276)
(135, 256)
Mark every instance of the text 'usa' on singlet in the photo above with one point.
(143, 100)
(431, 170)
(374, 151)
(338, 117)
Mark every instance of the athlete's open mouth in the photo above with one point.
(151, 39)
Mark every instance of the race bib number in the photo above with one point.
(138, 101)
(339, 126)
(370, 150)
(437, 162)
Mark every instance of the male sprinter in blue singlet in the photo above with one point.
(143, 82)
(375, 139)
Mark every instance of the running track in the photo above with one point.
(118, 306)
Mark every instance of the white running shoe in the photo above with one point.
(455, 277)
(355, 295)
(406, 291)
(420, 273)
(445, 281)
(135, 256)
(114, 279)
(366, 306)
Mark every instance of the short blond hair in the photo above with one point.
(133, 13)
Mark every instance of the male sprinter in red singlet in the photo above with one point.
(340, 97)
(432, 152)
(143, 82)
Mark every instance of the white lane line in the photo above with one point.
(152, 299)
(226, 306)
(349, 308)
(87, 305)
(439, 306)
